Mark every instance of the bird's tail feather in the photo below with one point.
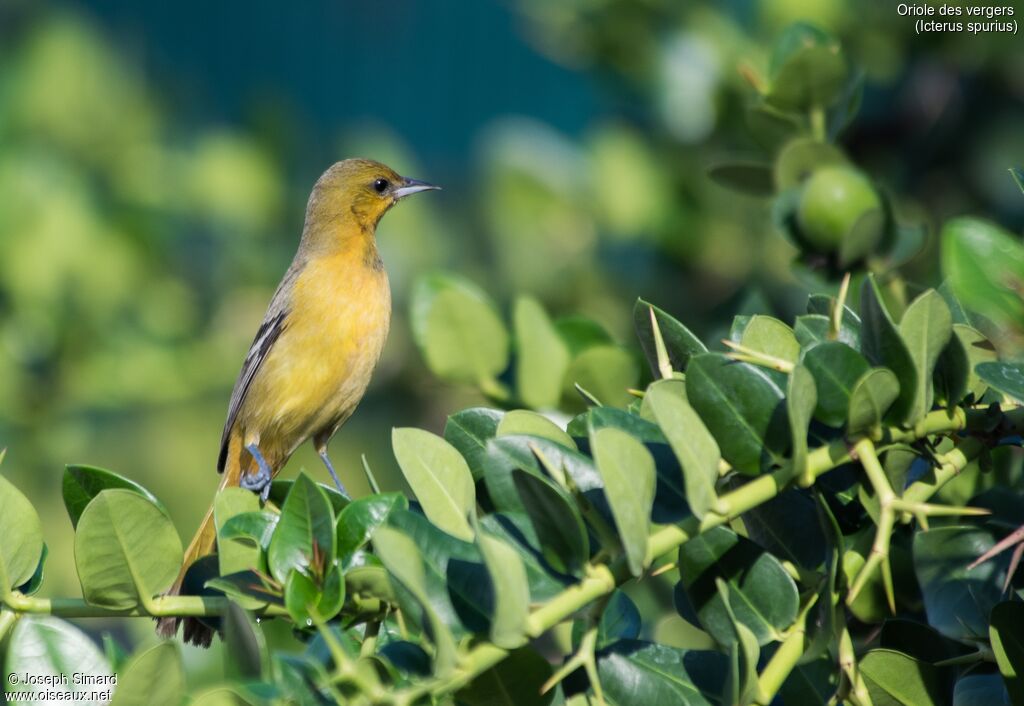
(203, 543)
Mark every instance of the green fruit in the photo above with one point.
(834, 199)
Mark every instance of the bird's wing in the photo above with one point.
(274, 323)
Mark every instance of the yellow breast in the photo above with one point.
(319, 368)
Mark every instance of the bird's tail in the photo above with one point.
(203, 543)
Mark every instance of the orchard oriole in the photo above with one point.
(313, 355)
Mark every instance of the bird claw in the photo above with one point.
(334, 474)
(258, 482)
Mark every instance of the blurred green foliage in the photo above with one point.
(139, 244)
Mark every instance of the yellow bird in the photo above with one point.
(316, 349)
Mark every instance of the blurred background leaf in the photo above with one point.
(154, 171)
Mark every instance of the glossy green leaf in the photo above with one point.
(743, 409)
(358, 521)
(542, 357)
(35, 582)
(304, 598)
(956, 308)
(1004, 376)
(403, 561)
(245, 646)
(680, 343)
(810, 329)
(882, 345)
(916, 639)
(247, 587)
(235, 553)
(897, 462)
(850, 324)
(545, 458)
(258, 527)
(836, 368)
(457, 584)
(81, 484)
(517, 532)
(801, 401)
(692, 443)
(952, 372)
(506, 454)
(787, 526)
(469, 430)
(307, 521)
(298, 676)
(872, 396)
(762, 595)
(233, 501)
(981, 689)
(620, 620)
(521, 421)
(300, 597)
(741, 679)
(439, 477)
(22, 545)
(514, 681)
(627, 470)
(281, 487)
(895, 678)
(810, 683)
(738, 326)
(511, 591)
(1006, 634)
(126, 549)
(332, 592)
(957, 600)
(407, 657)
(557, 522)
(638, 672)
(155, 677)
(985, 268)
(979, 350)
(768, 335)
(458, 330)
(53, 650)
(926, 328)
(604, 417)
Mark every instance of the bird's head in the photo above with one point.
(357, 192)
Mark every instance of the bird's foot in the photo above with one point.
(334, 475)
(258, 482)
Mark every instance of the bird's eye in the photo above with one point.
(381, 185)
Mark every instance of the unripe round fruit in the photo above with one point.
(833, 200)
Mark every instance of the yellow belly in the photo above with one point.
(318, 369)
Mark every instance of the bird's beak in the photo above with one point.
(412, 186)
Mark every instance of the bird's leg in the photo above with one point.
(258, 482)
(322, 451)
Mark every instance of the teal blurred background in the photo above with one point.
(155, 160)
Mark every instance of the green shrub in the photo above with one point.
(813, 514)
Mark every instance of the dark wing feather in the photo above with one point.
(269, 331)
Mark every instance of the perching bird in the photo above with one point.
(316, 349)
